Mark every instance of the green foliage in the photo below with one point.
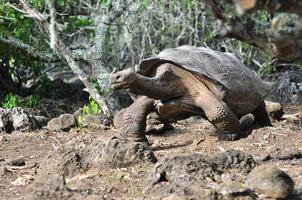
(32, 101)
(15, 23)
(103, 2)
(13, 101)
(91, 108)
(38, 4)
(10, 101)
(268, 69)
(61, 3)
(78, 21)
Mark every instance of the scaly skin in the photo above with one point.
(132, 120)
(188, 90)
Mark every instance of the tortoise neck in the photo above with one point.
(156, 87)
(145, 86)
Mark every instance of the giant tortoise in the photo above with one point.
(185, 81)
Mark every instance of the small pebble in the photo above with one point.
(18, 162)
(262, 157)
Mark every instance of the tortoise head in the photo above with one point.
(122, 79)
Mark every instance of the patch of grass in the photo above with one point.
(32, 101)
(10, 101)
(267, 70)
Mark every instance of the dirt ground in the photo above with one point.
(277, 145)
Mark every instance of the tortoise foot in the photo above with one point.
(136, 138)
(226, 136)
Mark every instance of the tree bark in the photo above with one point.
(272, 6)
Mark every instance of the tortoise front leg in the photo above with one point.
(219, 114)
(132, 120)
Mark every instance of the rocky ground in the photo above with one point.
(90, 163)
(61, 161)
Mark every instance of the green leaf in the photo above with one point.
(32, 101)
(103, 2)
(10, 101)
(61, 3)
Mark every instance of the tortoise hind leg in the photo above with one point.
(219, 114)
(132, 120)
(261, 115)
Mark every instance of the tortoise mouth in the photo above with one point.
(119, 86)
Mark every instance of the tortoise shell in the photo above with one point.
(242, 89)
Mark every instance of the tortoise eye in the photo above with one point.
(118, 77)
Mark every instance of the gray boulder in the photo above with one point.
(119, 153)
(16, 119)
(97, 120)
(64, 122)
(271, 181)
(288, 89)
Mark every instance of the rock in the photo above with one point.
(288, 90)
(16, 119)
(185, 176)
(182, 168)
(63, 122)
(194, 176)
(54, 124)
(271, 181)
(18, 162)
(97, 120)
(42, 120)
(261, 157)
(5, 122)
(67, 121)
(78, 113)
(49, 187)
(235, 190)
(194, 191)
(274, 109)
(119, 153)
(234, 159)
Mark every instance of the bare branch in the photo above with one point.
(17, 9)
(29, 50)
(52, 25)
(278, 40)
